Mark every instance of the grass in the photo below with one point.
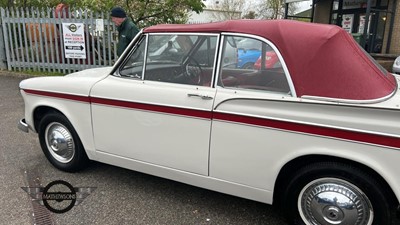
(40, 73)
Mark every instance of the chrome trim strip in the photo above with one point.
(219, 59)
(183, 33)
(349, 101)
(146, 45)
(277, 97)
(23, 126)
(216, 65)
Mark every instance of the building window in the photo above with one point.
(335, 5)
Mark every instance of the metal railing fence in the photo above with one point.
(33, 39)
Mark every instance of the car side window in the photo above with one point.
(258, 67)
(180, 58)
(133, 65)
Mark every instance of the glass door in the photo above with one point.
(376, 32)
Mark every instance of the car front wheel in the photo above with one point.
(335, 193)
(61, 144)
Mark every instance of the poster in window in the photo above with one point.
(347, 22)
(362, 24)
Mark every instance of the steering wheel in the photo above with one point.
(194, 71)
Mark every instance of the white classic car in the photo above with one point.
(396, 65)
(318, 136)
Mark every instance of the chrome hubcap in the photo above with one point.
(334, 201)
(59, 142)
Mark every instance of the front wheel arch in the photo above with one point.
(42, 111)
(51, 120)
(291, 169)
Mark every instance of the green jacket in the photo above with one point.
(126, 32)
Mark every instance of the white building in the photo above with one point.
(211, 14)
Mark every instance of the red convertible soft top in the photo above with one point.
(323, 60)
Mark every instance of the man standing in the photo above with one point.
(126, 28)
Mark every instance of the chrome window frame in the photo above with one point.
(124, 57)
(217, 35)
(264, 40)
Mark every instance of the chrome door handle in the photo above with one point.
(204, 97)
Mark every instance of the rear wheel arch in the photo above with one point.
(292, 168)
(294, 165)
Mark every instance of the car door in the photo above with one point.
(156, 108)
(244, 142)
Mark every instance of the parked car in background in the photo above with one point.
(271, 61)
(396, 65)
(249, 50)
(318, 137)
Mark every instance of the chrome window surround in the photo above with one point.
(285, 69)
(217, 35)
(349, 101)
(217, 56)
(121, 59)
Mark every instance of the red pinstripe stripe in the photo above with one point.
(154, 108)
(269, 123)
(59, 95)
(312, 129)
(126, 104)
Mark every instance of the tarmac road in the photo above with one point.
(122, 196)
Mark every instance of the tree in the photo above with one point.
(250, 15)
(227, 9)
(150, 12)
(274, 9)
(142, 12)
(33, 3)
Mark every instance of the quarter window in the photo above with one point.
(133, 65)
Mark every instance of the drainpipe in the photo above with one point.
(391, 26)
(286, 10)
(366, 32)
(312, 10)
